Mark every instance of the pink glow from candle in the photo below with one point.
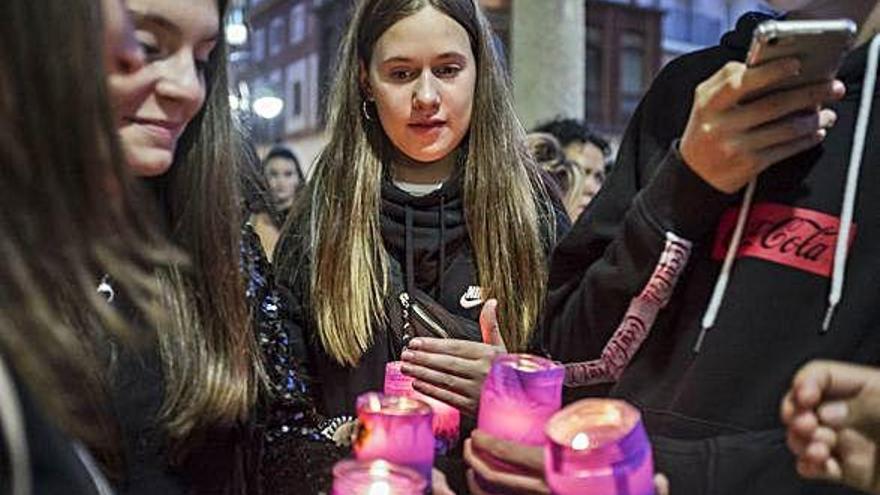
(519, 396)
(447, 419)
(396, 429)
(375, 478)
(598, 446)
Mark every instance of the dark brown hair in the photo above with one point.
(68, 212)
(209, 352)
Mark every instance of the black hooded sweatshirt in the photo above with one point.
(619, 276)
(429, 248)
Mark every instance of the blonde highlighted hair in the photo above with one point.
(333, 231)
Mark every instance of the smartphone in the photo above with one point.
(819, 45)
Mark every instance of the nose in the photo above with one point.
(181, 80)
(426, 93)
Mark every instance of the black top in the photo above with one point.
(714, 415)
(429, 247)
(58, 464)
(244, 458)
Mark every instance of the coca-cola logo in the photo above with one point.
(795, 237)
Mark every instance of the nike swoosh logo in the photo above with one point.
(470, 300)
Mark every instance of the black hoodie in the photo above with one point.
(429, 247)
(643, 260)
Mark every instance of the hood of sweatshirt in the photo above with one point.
(423, 233)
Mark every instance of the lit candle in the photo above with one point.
(375, 478)
(447, 419)
(598, 446)
(519, 395)
(396, 429)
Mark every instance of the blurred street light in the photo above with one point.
(268, 107)
(236, 31)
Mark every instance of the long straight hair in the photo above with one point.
(68, 214)
(337, 226)
(209, 352)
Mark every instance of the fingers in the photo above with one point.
(511, 482)
(789, 129)
(489, 324)
(440, 379)
(734, 81)
(473, 486)
(829, 471)
(465, 368)
(453, 347)
(661, 485)
(833, 380)
(778, 153)
(837, 414)
(463, 403)
(439, 485)
(524, 456)
(777, 105)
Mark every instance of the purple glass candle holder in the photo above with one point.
(598, 446)
(396, 429)
(375, 478)
(519, 395)
(447, 419)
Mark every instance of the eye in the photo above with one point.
(151, 51)
(447, 71)
(401, 74)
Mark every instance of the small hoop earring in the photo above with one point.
(366, 111)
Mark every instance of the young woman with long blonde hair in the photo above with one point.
(424, 202)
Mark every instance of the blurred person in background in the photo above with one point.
(566, 173)
(590, 151)
(283, 177)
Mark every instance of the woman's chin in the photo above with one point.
(149, 162)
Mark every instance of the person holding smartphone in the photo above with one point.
(637, 296)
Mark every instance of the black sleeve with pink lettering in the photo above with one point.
(610, 253)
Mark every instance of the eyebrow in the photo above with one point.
(448, 55)
(166, 24)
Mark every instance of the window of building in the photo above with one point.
(297, 99)
(259, 44)
(632, 72)
(276, 36)
(298, 23)
(594, 72)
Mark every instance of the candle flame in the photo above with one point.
(613, 415)
(380, 468)
(380, 488)
(375, 403)
(581, 441)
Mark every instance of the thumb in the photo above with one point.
(489, 324)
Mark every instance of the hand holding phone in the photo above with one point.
(819, 46)
(746, 118)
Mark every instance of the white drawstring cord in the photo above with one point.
(726, 269)
(841, 249)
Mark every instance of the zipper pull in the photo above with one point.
(405, 312)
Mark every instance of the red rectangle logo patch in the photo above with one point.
(795, 237)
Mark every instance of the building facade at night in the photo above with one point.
(292, 44)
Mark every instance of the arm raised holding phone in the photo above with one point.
(728, 143)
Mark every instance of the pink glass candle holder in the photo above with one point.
(447, 419)
(519, 395)
(598, 446)
(375, 478)
(396, 429)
